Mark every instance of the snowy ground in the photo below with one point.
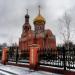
(13, 70)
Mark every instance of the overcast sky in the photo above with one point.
(12, 14)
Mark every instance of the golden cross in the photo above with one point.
(39, 9)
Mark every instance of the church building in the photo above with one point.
(44, 38)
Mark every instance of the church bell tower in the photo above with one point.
(26, 26)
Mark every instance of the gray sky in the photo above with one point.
(12, 14)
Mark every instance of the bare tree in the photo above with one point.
(65, 23)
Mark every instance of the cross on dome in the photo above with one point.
(39, 9)
(27, 11)
(26, 16)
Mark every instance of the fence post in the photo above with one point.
(34, 56)
(64, 60)
(4, 55)
(17, 55)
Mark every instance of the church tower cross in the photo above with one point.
(39, 9)
(27, 11)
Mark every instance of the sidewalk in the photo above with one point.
(14, 70)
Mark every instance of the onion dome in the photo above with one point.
(26, 16)
(39, 20)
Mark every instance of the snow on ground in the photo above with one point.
(4, 73)
(14, 70)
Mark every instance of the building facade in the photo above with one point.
(44, 38)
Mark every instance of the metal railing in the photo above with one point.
(14, 56)
(57, 58)
(61, 57)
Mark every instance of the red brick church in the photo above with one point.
(44, 38)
